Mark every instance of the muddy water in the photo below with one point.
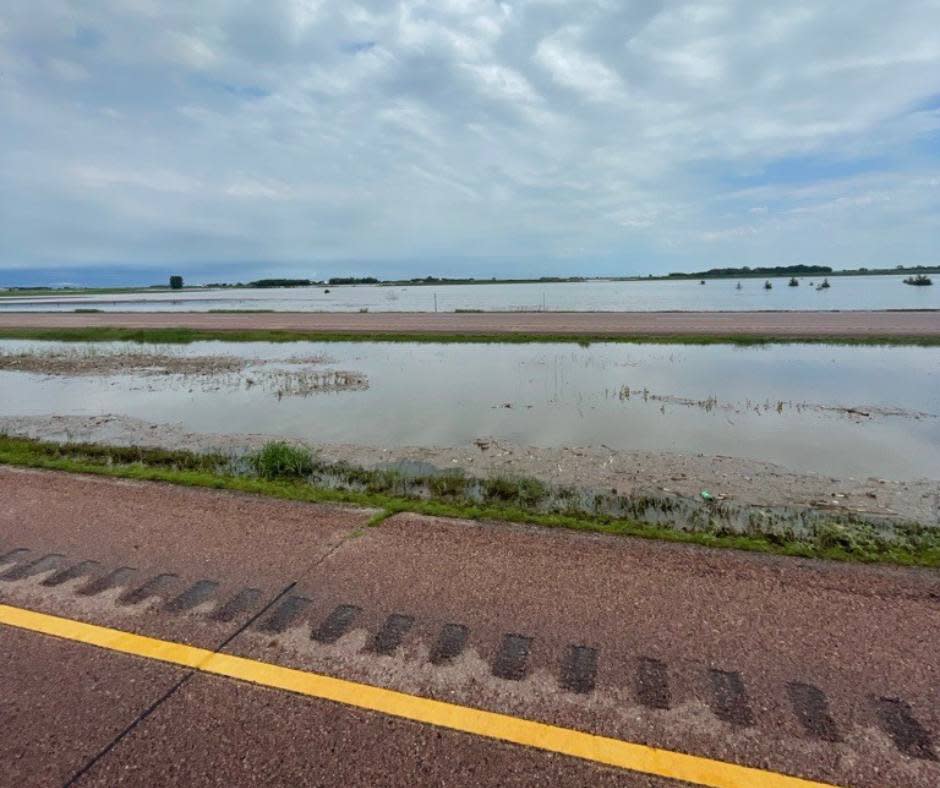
(832, 410)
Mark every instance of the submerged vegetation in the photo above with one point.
(295, 473)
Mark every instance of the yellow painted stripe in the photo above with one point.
(502, 727)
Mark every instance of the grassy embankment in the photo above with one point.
(82, 291)
(188, 335)
(287, 472)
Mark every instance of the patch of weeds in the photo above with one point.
(864, 542)
(779, 538)
(292, 473)
(278, 460)
(129, 455)
(522, 491)
(854, 540)
(451, 485)
(386, 480)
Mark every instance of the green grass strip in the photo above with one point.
(194, 470)
(184, 336)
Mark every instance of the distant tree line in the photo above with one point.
(470, 280)
(282, 283)
(353, 280)
(778, 270)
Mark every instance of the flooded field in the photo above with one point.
(837, 411)
(846, 292)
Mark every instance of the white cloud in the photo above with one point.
(97, 177)
(540, 132)
(578, 71)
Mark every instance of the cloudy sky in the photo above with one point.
(232, 138)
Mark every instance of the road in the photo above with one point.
(770, 324)
(450, 639)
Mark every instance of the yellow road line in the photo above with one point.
(502, 727)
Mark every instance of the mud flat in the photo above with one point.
(78, 362)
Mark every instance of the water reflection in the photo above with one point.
(834, 410)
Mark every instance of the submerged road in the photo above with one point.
(767, 324)
(289, 643)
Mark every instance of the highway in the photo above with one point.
(155, 634)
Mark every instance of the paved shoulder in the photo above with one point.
(824, 671)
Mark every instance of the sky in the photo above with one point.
(226, 140)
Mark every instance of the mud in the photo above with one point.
(293, 377)
(94, 362)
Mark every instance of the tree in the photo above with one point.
(176, 283)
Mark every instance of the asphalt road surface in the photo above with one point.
(769, 324)
(450, 640)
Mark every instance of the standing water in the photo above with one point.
(846, 293)
(852, 411)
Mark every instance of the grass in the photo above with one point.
(72, 291)
(182, 336)
(527, 492)
(277, 471)
(282, 461)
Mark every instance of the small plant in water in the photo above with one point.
(279, 460)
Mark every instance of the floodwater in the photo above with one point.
(844, 411)
(848, 292)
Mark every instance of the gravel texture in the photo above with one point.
(731, 634)
(779, 324)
